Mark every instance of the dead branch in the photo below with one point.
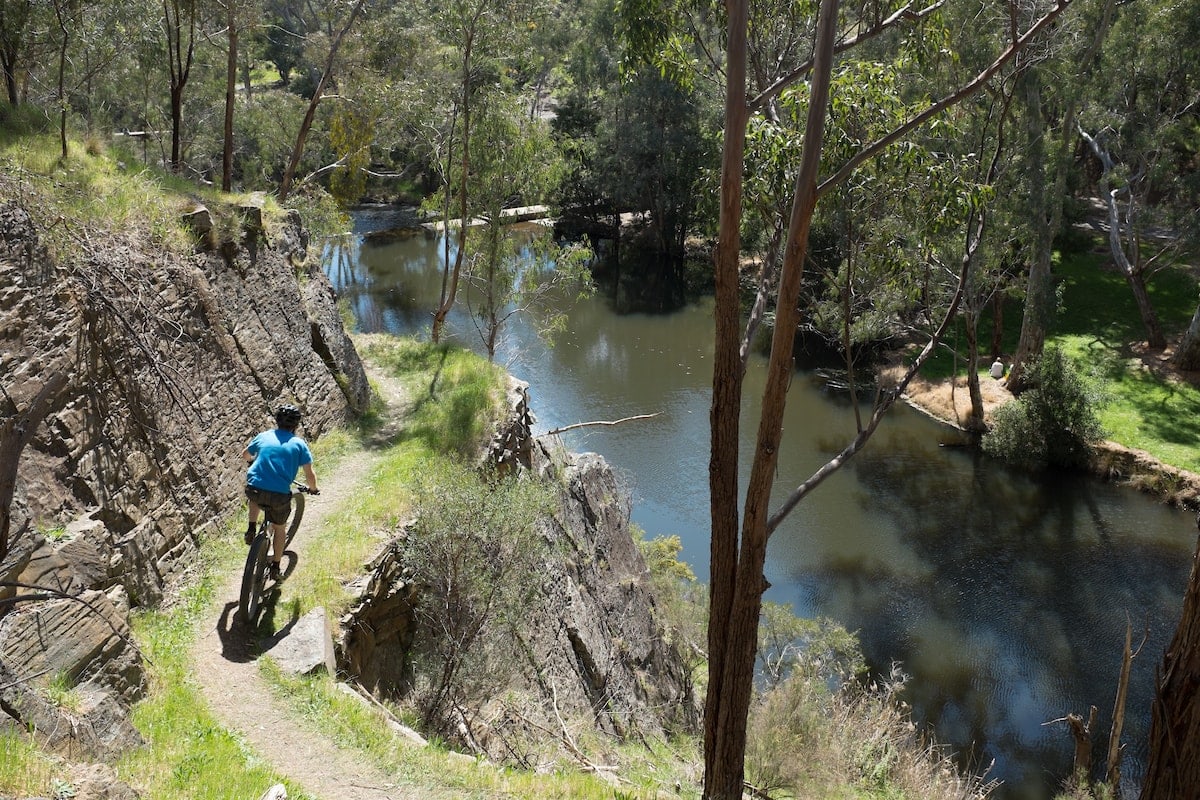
(1082, 734)
(601, 422)
(390, 718)
(1115, 748)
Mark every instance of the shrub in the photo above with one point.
(859, 736)
(1052, 424)
(472, 552)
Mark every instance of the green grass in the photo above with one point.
(25, 771)
(1098, 322)
(1097, 325)
(104, 187)
(187, 753)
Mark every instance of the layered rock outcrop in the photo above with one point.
(172, 361)
(593, 642)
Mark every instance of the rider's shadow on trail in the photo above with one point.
(241, 643)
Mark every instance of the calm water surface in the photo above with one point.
(1004, 597)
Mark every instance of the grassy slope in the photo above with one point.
(1097, 324)
(1147, 409)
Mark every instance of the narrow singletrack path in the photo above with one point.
(224, 656)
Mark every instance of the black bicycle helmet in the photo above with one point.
(287, 417)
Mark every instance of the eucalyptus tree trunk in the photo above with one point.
(451, 273)
(231, 71)
(179, 21)
(1039, 287)
(289, 174)
(737, 582)
(1047, 210)
(1129, 262)
(738, 552)
(1173, 765)
(975, 421)
(60, 16)
(1187, 355)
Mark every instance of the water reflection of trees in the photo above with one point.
(1021, 616)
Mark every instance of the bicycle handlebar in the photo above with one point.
(300, 487)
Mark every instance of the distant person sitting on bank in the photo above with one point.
(997, 368)
(275, 457)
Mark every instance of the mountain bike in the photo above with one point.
(254, 575)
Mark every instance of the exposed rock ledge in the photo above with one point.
(595, 644)
(172, 362)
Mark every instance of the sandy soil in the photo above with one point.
(224, 659)
(946, 400)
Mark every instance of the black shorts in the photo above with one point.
(276, 506)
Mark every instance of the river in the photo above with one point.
(1003, 596)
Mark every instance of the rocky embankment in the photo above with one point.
(594, 646)
(132, 377)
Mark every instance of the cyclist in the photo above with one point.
(275, 457)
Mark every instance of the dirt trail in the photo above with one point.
(224, 657)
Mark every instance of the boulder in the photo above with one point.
(306, 646)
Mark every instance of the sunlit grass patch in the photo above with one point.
(434, 771)
(455, 395)
(25, 771)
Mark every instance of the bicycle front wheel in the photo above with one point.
(297, 515)
(253, 578)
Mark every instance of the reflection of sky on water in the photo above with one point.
(1004, 597)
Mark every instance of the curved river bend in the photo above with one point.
(1003, 596)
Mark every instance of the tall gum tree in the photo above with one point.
(180, 19)
(1047, 167)
(486, 38)
(738, 549)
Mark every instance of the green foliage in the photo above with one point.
(472, 551)
(351, 132)
(1052, 424)
(813, 648)
(25, 771)
(265, 131)
(321, 215)
(857, 741)
(680, 599)
(61, 692)
(456, 396)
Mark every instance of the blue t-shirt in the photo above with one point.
(278, 456)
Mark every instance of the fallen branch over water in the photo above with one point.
(600, 422)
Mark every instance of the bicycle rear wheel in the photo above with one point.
(253, 577)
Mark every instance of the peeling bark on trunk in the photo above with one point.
(975, 421)
(1187, 355)
(1128, 262)
(1173, 766)
(231, 65)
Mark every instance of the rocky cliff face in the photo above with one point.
(595, 653)
(171, 363)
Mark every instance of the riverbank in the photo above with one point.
(949, 401)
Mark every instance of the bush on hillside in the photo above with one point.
(1052, 424)
(859, 735)
(472, 551)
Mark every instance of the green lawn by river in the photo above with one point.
(1148, 407)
